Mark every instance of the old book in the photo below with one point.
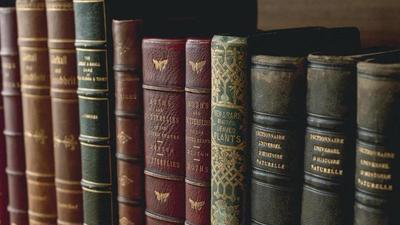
(330, 136)
(377, 174)
(93, 48)
(13, 130)
(198, 128)
(164, 130)
(127, 41)
(229, 150)
(65, 110)
(36, 104)
(4, 217)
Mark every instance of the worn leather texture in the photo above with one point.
(278, 97)
(13, 130)
(127, 41)
(65, 110)
(36, 104)
(198, 130)
(229, 129)
(377, 164)
(96, 102)
(164, 130)
(4, 216)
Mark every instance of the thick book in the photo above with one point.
(330, 137)
(96, 102)
(164, 130)
(377, 177)
(36, 104)
(198, 130)
(229, 128)
(127, 43)
(13, 130)
(65, 110)
(4, 217)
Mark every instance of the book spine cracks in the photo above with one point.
(329, 141)
(228, 129)
(377, 162)
(278, 97)
(13, 132)
(95, 105)
(127, 40)
(198, 127)
(65, 111)
(164, 130)
(35, 87)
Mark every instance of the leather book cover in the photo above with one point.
(13, 130)
(36, 104)
(198, 130)
(4, 217)
(377, 174)
(96, 102)
(229, 128)
(329, 140)
(278, 105)
(164, 130)
(65, 110)
(127, 43)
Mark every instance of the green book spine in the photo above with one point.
(95, 104)
(228, 129)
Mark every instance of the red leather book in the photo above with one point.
(127, 38)
(13, 131)
(164, 130)
(198, 131)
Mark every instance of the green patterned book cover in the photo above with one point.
(228, 128)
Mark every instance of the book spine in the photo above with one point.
(4, 216)
(198, 131)
(164, 130)
(65, 110)
(127, 37)
(377, 163)
(278, 104)
(13, 130)
(228, 129)
(329, 141)
(36, 104)
(95, 105)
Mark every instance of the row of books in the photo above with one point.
(286, 127)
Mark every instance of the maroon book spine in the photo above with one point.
(198, 131)
(13, 129)
(164, 130)
(127, 37)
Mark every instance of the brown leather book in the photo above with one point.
(65, 110)
(13, 131)
(127, 37)
(164, 130)
(36, 104)
(198, 131)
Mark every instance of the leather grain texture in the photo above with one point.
(127, 40)
(164, 130)
(278, 97)
(65, 110)
(36, 104)
(96, 102)
(13, 130)
(229, 150)
(198, 130)
(377, 163)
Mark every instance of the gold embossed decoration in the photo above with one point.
(197, 67)
(38, 136)
(123, 137)
(125, 180)
(69, 142)
(160, 64)
(228, 143)
(162, 197)
(196, 205)
(125, 221)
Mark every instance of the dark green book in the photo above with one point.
(95, 111)
(377, 176)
